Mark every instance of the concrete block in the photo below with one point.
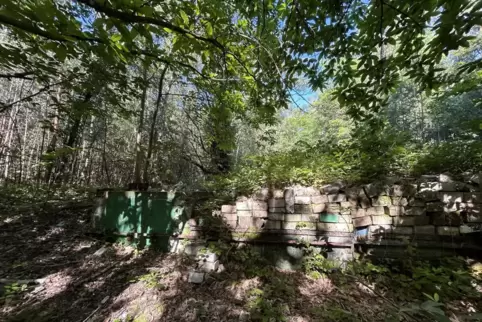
(362, 221)
(403, 190)
(399, 201)
(306, 191)
(445, 178)
(381, 201)
(427, 195)
(277, 210)
(414, 202)
(291, 225)
(319, 199)
(398, 230)
(375, 211)
(345, 219)
(404, 221)
(356, 213)
(289, 197)
(446, 219)
(345, 205)
(250, 222)
(302, 200)
(333, 208)
(450, 197)
(322, 226)
(396, 211)
(310, 217)
(272, 224)
(381, 220)
(253, 213)
(232, 223)
(430, 186)
(332, 188)
(242, 206)
(230, 217)
(292, 217)
(196, 277)
(228, 209)
(208, 257)
(278, 194)
(244, 213)
(448, 231)
(261, 194)
(346, 212)
(318, 208)
(472, 197)
(376, 189)
(303, 225)
(303, 209)
(375, 230)
(276, 203)
(424, 230)
(338, 197)
(434, 206)
(208, 267)
(415, 211)
(276, 216)
(257, 204)
(421, 220)
(364, 201)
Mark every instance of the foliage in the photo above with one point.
(151, 280)
(13, 289)
(316, 264)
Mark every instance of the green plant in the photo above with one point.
(314, 260)
(14, 289)
(151, 280)
(333, 313)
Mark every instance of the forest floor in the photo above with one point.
(51, 269)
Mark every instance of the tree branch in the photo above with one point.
(22, 75)
(133, 18)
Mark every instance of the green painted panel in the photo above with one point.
(152, 216)
(329, 218)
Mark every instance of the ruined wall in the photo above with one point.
(434, 211)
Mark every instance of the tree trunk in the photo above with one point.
(139, 154)
(153, 125)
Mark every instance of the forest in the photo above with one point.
(226, 98)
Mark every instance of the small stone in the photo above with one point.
(221, 268)
(196, 277)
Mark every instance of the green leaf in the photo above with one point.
(185, 18)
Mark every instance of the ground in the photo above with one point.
(71, 275)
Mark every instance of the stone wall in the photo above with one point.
(433, 210)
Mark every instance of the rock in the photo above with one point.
(376, 189)
(318, 208)
(276, 216)
(293, 217)
(430, 186)
(321, 226)
(473, 197)
(381, 220)
(396, 211)
(196, 277)
(303, 209)
(289, 197)
(400, 201)
(262, 194)
(221, 268)
(273, 224)
(302, 200)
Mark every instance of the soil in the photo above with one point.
(73, 276)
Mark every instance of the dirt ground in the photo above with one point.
(78, 284)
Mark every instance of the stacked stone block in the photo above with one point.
(435, 205)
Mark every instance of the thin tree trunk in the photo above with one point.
(153, 124)
(139, 154)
